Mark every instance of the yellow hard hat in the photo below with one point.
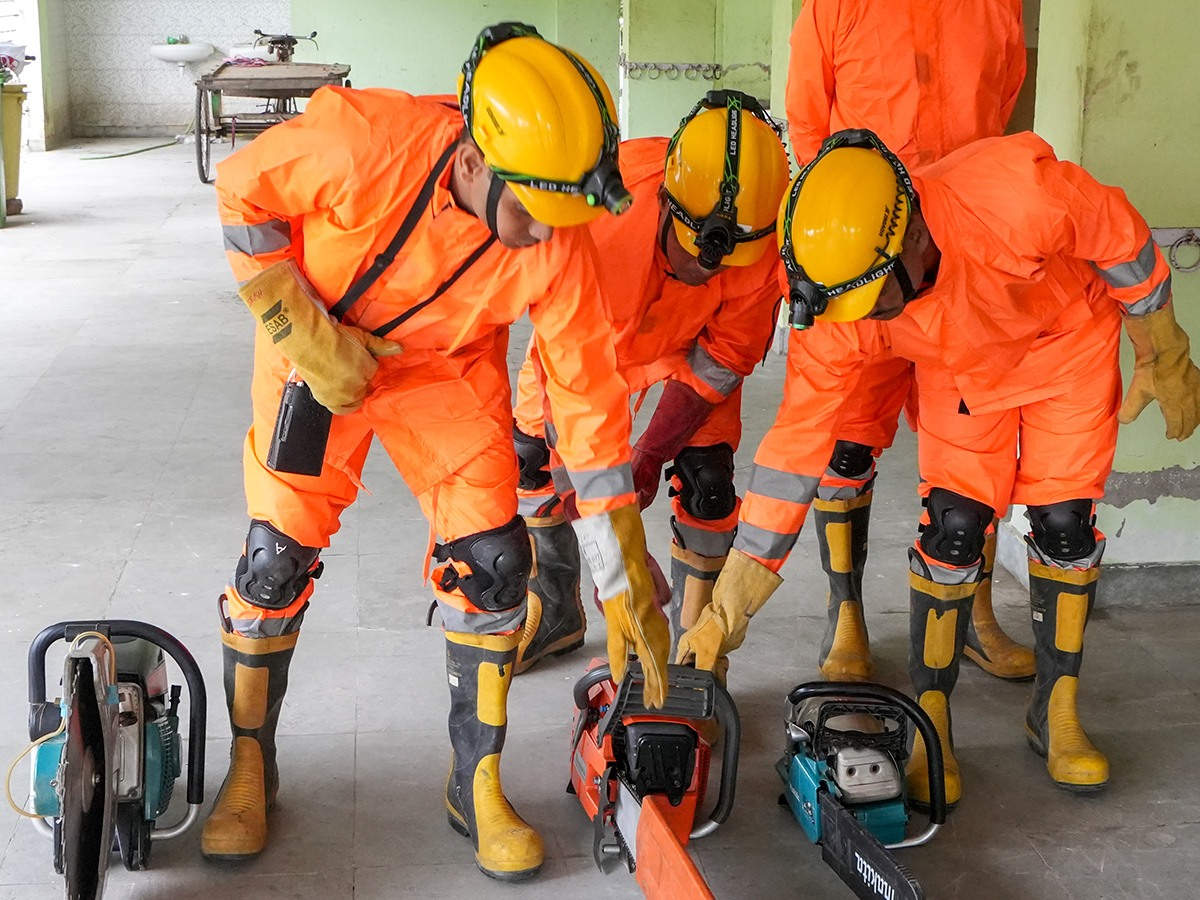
(546, 124)
(725, 175)
(841, 228)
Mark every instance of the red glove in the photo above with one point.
(678, 416)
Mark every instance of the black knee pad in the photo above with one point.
(957, 528)
(851, 460)
(499, 560)
(706, 481)
(533, 460)
(1064, 530)
(275, 569)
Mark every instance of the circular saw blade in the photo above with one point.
(86, 830)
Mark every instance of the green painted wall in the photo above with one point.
(419, 46)
(727, 32)
(1110, 95)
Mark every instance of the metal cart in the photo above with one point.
(279, 83)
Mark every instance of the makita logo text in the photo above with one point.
(277, 323)
(873, 879)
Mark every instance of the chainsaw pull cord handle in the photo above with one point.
(197, 695)
(933, 745)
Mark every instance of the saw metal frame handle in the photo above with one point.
(197, 695)
(724, 712)
(857, 690)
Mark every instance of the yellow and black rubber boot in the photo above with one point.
(256, 676)
(692, 578)
(842, 527)
(555, 623)
(939, 613)
(1061, 601)
(987, 644)
(479, 669)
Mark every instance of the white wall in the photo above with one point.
(118, 88)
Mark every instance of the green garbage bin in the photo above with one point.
(12, 99)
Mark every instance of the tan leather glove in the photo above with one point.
(742, 589)
(614, 545)
(1162, 371)
(336, 361)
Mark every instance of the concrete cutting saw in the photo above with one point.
(106, 754)
(642, 775)
(843, 772)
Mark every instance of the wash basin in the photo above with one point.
(182, 53)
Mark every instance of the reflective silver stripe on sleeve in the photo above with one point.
(562, 481)
(779, 485)
(255, 240)
(598, 484)
(763, 543)
(1153, 301)
(722, 380)
(551, 434)
(1127, 275)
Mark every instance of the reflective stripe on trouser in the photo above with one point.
(842, 531)
(555, 622)
(987, 644)
(255, 676)
(692, 578)
(446, 425)
(479, 670)
(773, 511)
(1066, 441)
(1061, 600)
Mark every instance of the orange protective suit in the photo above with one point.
(1015, 342)
(927, 78)
(709, 337)
(330, 188)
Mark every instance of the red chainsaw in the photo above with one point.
(642, 775)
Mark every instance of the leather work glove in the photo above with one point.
(336, 361)
(742, 589)
(614, 546)
(679, 414)
(1162, 371)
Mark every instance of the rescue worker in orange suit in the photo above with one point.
(1004, 275)
(494, 201)
(694, 302)
(950, 75)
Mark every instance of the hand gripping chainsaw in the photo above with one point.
(642, 774)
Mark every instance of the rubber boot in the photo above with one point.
(1062, 600)
(987, 644)
(479, 669)
(842, 527)
(256, 675)
(692, 578)
(555, 623)
(938, 619)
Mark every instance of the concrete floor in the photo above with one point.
(124, 369)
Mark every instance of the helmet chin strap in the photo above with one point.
(495, 189)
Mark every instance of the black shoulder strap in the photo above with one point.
(385, 259)
(388, 327)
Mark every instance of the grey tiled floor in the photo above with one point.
(124, 365)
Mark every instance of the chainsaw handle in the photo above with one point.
(197, 695)
(868, 691)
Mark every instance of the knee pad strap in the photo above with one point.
(493, 566)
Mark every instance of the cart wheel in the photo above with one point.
(203, 135)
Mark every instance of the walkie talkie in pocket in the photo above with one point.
(301, 431)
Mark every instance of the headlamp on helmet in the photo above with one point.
(600, 186)
(809, 298)
(717, 234)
